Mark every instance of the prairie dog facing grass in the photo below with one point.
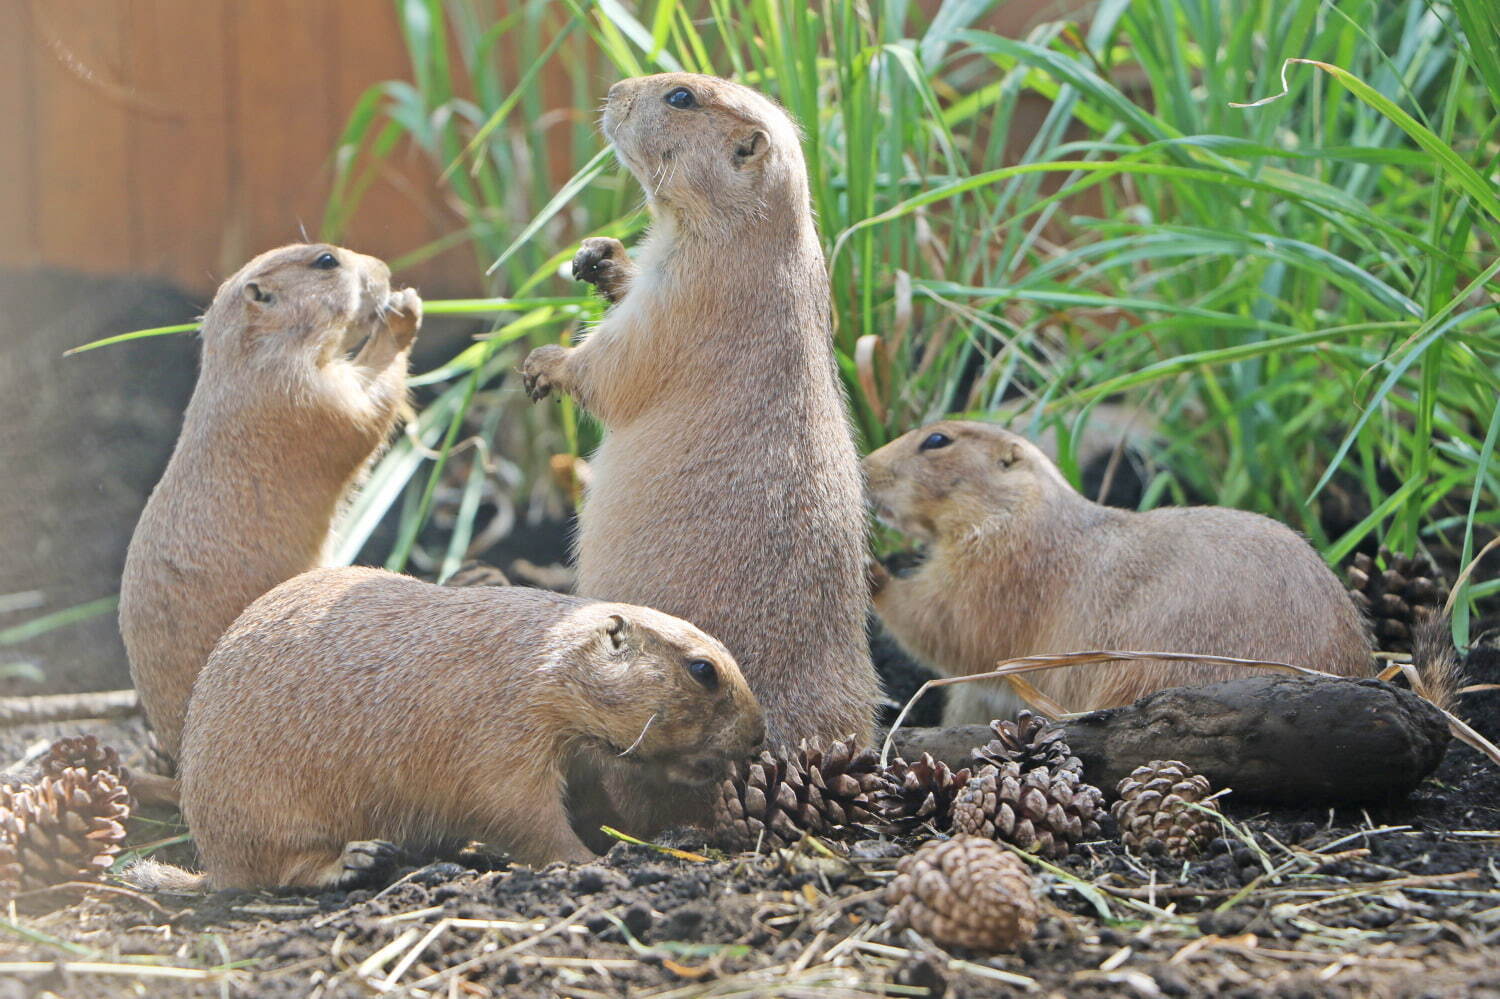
(302, 380)
(351, 705)
(726, 490)
(1019, 564)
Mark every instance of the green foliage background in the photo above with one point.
(1303, 294)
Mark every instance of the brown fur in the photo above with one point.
(279, 428)
(727, 487)
(1019, 563)
(354, 704)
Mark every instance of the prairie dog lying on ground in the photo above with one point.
(281, 425)
(351, 705)
(1019, 563)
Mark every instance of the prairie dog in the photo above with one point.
(282, 423)
(1019, 564)
(727, 488)
(354, 704)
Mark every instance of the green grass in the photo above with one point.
(1302, 293)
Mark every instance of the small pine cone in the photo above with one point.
(964, 892)
(1153, 810)
(1031, 741)
(63, 828)
(919, 793)
(776, 799)
(86, 752)
(1042, 810)
(1397, 599)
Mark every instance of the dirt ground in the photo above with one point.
(1391, 899)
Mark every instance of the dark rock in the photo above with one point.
(922, 972)
(638, 919)
(1268, 737)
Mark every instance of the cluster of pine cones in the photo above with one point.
(1024, 787)
(962, 887)
(67, 824)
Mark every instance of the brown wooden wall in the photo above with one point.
(180, 137)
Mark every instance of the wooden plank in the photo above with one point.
(178, 145)
(282, 109)
(400, 210)
(17, 173)
(85, 216)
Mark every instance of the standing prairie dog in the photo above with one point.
(350, 705)
(1020, 564)
(302, 380)
(727, 488)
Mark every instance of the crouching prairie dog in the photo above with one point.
(353, 705)
(726, 490)
(302, 379)
(1019, 563)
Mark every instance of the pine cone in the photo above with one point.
(1154, 814)
(1043, 810)
(1031, 741)
(83, 751)
(1397, 599)
(776, 799)
(64, 828)
(964, 892)
(919, 793)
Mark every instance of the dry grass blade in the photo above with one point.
(1037, 699)
(1463, 577)
(872, 364)
(1057, 660)
(22, 968)
(1460, 728)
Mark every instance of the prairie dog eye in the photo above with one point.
(681, 98)
(704, 672)
(325, 262)
(934, 440)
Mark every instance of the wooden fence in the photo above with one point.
(177, 138)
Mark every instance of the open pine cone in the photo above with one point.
(1030, 741)
(83, 751)
(964, 892)
(919, 793)
(1398, 598)
(1043, 810)
(64, 828)
(1153, 810)
(776, 800)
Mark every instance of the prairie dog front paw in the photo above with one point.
(603, 263)
(540, 371)
(404, 315)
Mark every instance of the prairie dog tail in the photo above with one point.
(1436, 660)
(153, 875)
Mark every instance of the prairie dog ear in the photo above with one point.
(614, 631)
(750, 147)
(1010, 454)
(256, 295)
